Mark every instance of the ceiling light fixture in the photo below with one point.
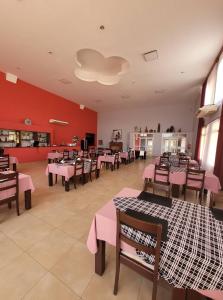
(161, 91)
(50, 52)
(102, 27)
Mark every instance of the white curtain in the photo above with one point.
(219, 82)
(210, 145)
(210, 88)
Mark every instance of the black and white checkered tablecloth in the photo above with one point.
(193, 255)
(177, 169)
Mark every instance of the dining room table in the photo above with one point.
(174, 160)
(66, 170)
(109, 159)
(177, 178)
(191, 257)
(25, 186)
(56, 155)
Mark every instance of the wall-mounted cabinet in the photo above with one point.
(16, 138)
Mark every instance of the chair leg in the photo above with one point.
(185, 191)
(55, 178)
(10, 205)
(154, 291)
(75, 185)
(117, 272)
(90, 176)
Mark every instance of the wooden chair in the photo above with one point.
(116, 163)
(195, 181)
(4, 162)
(93, 168)
(161, 178)
(9, 189)
(134, 262)
(78, 171)
(65, 154)
(85, 154)
(184, 162)
(164, 160)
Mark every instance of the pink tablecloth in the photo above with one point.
(106, 158)
(157, 161)
(103, 226)
(25, 184)
(54, 155)
(211, 181)
(13, 160)
(124, 155)
(62, 170)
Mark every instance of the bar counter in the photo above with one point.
(29, 154)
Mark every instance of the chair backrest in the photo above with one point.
(4, 162)
(184, 161)
(9, 187)
(79, 167)
(161, 174)
(166, 154)
(85, 154)
(195, 178)
(94, 163)
(66, 154)
(149, 228)
(116, 158)
(164, 160)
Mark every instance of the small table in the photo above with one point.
(103, 229)
(178, 178)
(107, 159)
(26, 186)
(66, 171)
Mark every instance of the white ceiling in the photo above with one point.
(187, 34)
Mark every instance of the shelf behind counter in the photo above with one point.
(30, 154)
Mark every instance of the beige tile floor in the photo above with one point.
(43, 253)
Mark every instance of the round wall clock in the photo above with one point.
(28, 121)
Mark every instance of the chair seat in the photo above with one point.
(138, 259)
(215, 294)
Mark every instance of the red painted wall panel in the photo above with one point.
(23, 100)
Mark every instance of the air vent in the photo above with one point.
(151, 55)
(65, 81)
(11, 77)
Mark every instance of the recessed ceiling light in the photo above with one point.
(161, 91)
(102, 27)
(182, 72)
(124, 97)
(18, 68)
(151, 55)
(50, 52)
(65, 81)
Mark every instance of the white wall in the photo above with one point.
(179, 115)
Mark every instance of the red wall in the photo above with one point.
(22, 100)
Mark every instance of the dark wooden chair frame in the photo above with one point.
(94, 162)
(163, 171)
(78, 166)
(4, 162)
(12, 180)
(150, 228)
(189, 176)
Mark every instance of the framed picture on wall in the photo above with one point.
(117, 134)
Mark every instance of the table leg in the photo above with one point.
(14, 167)
(28, 202)
(67, 185)
(175, 190)
(98, 173)
(145, 184)
(100, 258)
(50, 179)
(49, 161)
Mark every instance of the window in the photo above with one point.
(210, 139)
(210, 88)
(202, 142)
(219, 82)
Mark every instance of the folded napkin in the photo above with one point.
(160, 200)
(218, 213)
(150, 219)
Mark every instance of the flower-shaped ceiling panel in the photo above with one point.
(91, 66)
